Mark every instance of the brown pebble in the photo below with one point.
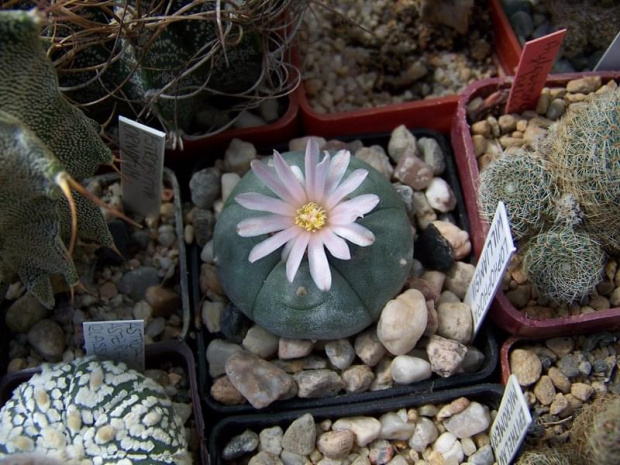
(162, 300)
(223, 391)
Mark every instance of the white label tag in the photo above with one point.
(142, 154)
(511, 423)
(610, 61)
(121, 341)
(489, 272)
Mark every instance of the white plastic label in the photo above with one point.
(511, 423)
(142, 154)
(610, 61)
(121, 341)
(496, 253)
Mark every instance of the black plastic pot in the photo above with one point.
(487, 394)
(158, 355)
(485, 341)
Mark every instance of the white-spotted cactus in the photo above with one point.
(95, 412)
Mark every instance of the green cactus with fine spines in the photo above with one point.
(92, 411)
(44, 142)
(563, 264)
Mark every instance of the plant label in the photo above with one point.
(496, 253)
(511, 423)
(121, 341)
(142, 154)
(610, 61)
(534, 65)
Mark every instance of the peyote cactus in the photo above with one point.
(520, 180)
(563, 265)
(46, 145)
(323, 297)
(583, 153)
(95, 412)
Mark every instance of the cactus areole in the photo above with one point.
(96, 412)
(313, 249)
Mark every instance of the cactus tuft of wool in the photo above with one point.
(548, 456)
(563, 264)
(583, 153)
(520, 180)
(91, 411)
(46, 145)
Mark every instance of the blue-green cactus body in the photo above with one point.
(360, 286)
(100, 412)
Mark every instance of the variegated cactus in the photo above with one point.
(96, 412)
(46, 145)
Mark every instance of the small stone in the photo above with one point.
(357, 378)
(394, 427)
(211, 315)
(433, 250)
(559, 406)
(445, 355)
(261, 342)
(260, 382)
(471, 421)
(240, 445)
(383, 375)
(407, 369)
(543, 101)
(569, 366)
(556, 109)
(425, 433)
(188, 233)
(544, 390)
(108, 291)
(163, 301)
(311, 362)
(289, 458)
(205, 187)
(340, 353)
(440, 195)
(458, 278)
(299, 144)
(458, 238)
(270, 440)
(483, 456)
(482, 128)
(413, 172)
(560, 381)
(294, 348)
(456, 406)
(24, 313)
(229, 181)
(526, 366)
(365, 429)
(218, 352)
(480, 145)
(299, 437)
(582, 391)
(265, 458)
(455, 322)
(204, 224)
(402, 322)
(336, 444)
(224, 392)
(432, 154)
(423, 212)
(584, 85)
(318, 383)
(522, 23)
(368, 347)
(48, 339)
(473, 360)
(155, 327)
(376, 157)
(381, 452)
(560, 346)
(508, 123)
(402, 142)
(16, 364)
(135, 282)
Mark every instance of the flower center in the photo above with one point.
(311, 217)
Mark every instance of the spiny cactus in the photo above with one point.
(91, 411)
(45, 144)
(563, 265)
(548, 456)
(520, 180)
(583, 153)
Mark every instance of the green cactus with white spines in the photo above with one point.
(91, 411)
(45, 144)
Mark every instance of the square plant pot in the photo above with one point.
(162, 356)
(432, 112)
(485, 341)
(488, 395)
(98, 307)
(502, 311)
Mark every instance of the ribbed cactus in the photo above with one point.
(520, 180)
(45, 143)
(563, 265)
(91, 411)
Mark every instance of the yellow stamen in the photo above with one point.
(311, 217)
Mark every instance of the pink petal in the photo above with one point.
(349, 211)
(311, 160)
(260, 202)
(289, 179)
(251, 227)
(316, 192)
(355, 233)
(337, 168)
(352, 182)
(276, 241)
(336, 245)
(270, 178)
(319, 266)
(296, 254)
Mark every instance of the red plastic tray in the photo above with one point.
(433, 113)
(503, 313)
